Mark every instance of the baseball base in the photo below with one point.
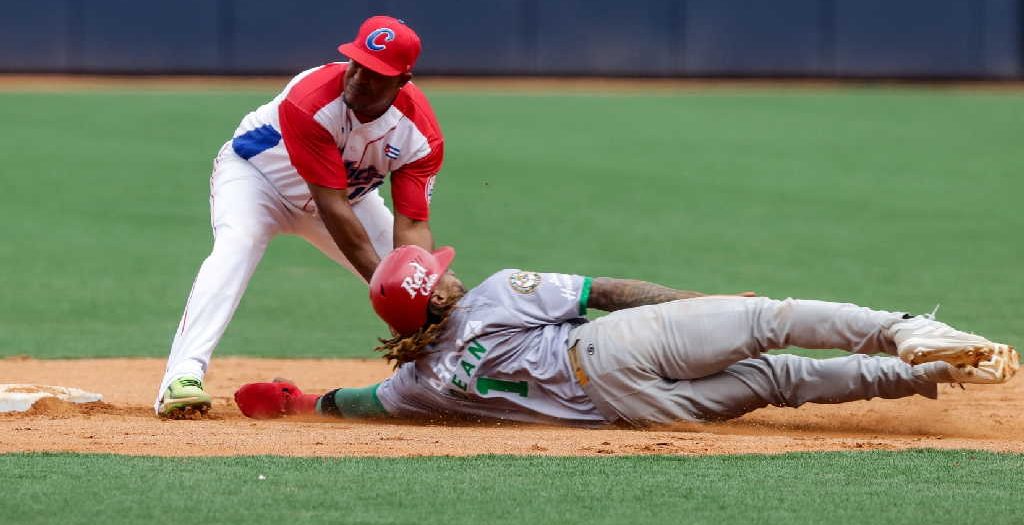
(21, 397)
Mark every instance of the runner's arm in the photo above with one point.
(610, 294)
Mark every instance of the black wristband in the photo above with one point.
(328, 406)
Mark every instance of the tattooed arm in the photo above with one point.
(616, 294)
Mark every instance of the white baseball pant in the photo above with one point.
(246, 212)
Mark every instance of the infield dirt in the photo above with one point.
(978, 417)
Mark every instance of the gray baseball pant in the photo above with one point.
(701, 359)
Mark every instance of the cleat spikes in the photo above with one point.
(973, 358)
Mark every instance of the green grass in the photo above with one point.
(895, 199)
(931, 487)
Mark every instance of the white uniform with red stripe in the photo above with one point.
(259, 190)
(325, 144)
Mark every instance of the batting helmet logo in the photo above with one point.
(418, 282)
(401, 287)
(371, 39)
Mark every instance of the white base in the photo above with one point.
(21, 397)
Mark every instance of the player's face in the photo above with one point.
(448, 288)
(369, 92)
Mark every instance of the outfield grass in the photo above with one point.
(953, 487)
(890, 198)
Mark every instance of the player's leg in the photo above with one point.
(375, 217)
(735, 327)
(784, 381)
(245, 214)
(699, 337)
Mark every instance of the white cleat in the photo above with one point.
(974, 359)
(999, 369)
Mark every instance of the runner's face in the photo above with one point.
(369, 92)
(448, 287)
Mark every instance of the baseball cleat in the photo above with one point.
(185, 399)
(974, 359)
(998, 369)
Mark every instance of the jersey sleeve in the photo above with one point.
(532, 298)
(412, 185)
(311, 148)
(405, 396)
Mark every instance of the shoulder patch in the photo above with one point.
(429, 189)
(524, 282)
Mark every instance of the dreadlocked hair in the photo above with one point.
(405, 349)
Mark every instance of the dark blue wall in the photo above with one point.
(844, 38)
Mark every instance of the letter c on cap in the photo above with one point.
(371, 39)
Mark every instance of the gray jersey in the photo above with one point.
(502, 355)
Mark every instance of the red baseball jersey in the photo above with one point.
(307, 133)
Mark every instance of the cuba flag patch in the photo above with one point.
(391, 152)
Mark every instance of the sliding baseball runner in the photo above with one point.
(518, 347)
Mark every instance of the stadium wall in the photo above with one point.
(660, 38)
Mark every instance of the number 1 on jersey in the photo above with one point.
(486, 384)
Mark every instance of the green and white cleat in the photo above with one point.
(185, 399)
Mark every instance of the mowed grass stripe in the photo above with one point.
(932, 487)
(896, 199)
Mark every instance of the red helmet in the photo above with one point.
(401, 286)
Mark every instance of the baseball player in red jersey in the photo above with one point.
(518, 347)
(309, 163)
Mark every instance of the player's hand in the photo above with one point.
(273, 400)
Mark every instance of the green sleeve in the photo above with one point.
(359, 402)
(585, 295)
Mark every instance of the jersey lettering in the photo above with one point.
(564, 284)
(483, 385)
(486, 384)
(462, 375)
(455, 393)
(362, 180)
(476, 349)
